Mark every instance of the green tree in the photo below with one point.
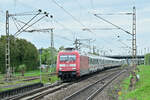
(21, 52)
(61, 48)
(47, 57)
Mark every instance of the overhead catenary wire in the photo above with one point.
(121, 13)
(75, 19)
(112, 24)
(67, 29)
(124, 44)
(27, 23)
(28, 13)
(30, 25)
(33, 23)
(71, 15)
(15, 23)
(64, 26)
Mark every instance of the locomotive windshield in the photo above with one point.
(67, 58)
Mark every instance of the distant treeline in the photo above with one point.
(24, 52)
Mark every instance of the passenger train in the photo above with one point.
(72, 64)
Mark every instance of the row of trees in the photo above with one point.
(23, 52)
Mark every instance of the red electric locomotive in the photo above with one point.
(70, 64)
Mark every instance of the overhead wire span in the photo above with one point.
(27, 23)
(15, 23)
(33, 23)
(75, 19)
(17, 20)
(63, 26)
(112, 24)
(46, 15)
(64, 38)
(68, 13)
(124, 44)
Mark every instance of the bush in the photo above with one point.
(22, 69)
(147, 59)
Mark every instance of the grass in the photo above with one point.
(36, 72)
(142, 91)
(52, 79)
(45, 78)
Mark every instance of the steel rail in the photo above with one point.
(23, 95)
(81, 91)
(106, 84)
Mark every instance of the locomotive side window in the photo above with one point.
(67, 57)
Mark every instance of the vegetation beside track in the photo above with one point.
(147, 59)
(46, 78)
(142, 89)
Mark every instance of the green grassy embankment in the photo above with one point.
(142, 90)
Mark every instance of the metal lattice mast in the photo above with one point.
(52, 39)
(134, 49)
(7, 55)
(52, 47)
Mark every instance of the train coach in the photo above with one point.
(72, 64)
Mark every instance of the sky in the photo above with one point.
(70, 17)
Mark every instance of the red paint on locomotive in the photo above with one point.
(68, 61)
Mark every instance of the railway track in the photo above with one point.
(90, 91)
(42, 92)
(38, 90)
(21, 91)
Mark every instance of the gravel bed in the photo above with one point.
(111, 91)
(59, 95)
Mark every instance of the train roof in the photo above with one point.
(102, 57)
(89, 55)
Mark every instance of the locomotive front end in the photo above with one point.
(67, 65)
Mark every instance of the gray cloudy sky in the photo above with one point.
(67, 28)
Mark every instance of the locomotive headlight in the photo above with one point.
(73, 68)
(73, 65)
(60, 68)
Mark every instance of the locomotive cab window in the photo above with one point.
(67, 58)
